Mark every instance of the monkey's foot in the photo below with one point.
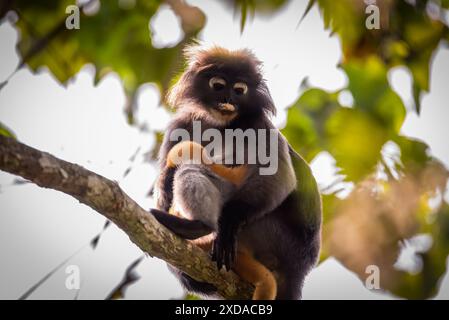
(184, 228)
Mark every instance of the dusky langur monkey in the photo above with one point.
(274, 220)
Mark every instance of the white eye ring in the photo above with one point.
(241, 87)
(216, 80)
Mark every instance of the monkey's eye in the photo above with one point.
(217, 83)
(240, 88)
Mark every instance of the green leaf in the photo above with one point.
(372, 93)
(408, 36)
(190, 296)
(246, 7)
(301, 133)
(367, 81)
(355, 141)
(422, 36)
(309, 7)
(244, 15)
(344, 18)
(113, 39)
(5, 131)
(415, 154)
(306, 121)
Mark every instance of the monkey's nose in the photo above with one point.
(227, 107)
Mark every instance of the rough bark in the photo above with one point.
(106, 197)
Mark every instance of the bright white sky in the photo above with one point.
(85, 124)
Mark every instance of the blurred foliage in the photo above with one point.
(130, 276)
(190, 296)
(248, 8)
(408, 35)
(354, 135)
(5, 131)
(393, 191)
(115, 38)
(398, 186)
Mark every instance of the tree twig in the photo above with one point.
(106, 197)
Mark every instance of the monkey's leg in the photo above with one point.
(247, 268)
(256, 273)
(251, 270)
(185, 228)
(245, 265)
(290, 285)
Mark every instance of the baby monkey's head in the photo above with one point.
(221, 85)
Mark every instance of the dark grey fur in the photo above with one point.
(278, 217)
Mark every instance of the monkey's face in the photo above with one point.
(222, 86)
(225, 92)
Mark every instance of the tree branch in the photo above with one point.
(106, 197)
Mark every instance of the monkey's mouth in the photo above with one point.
(227, 109)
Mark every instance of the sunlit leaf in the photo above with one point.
(113, 39)
(306, 119)
(414, 153)
(5, 131)
(369, 86)
(355, 141)
(250, 7)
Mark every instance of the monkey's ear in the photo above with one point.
(266, 101)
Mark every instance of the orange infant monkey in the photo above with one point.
(201, 187)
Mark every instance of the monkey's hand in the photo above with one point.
(223, 251)
(229, 223)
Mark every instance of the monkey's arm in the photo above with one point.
(164, 184)
(235, 175)
(229, 223)
(165, 188)
(259, 195)
(192, 151)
